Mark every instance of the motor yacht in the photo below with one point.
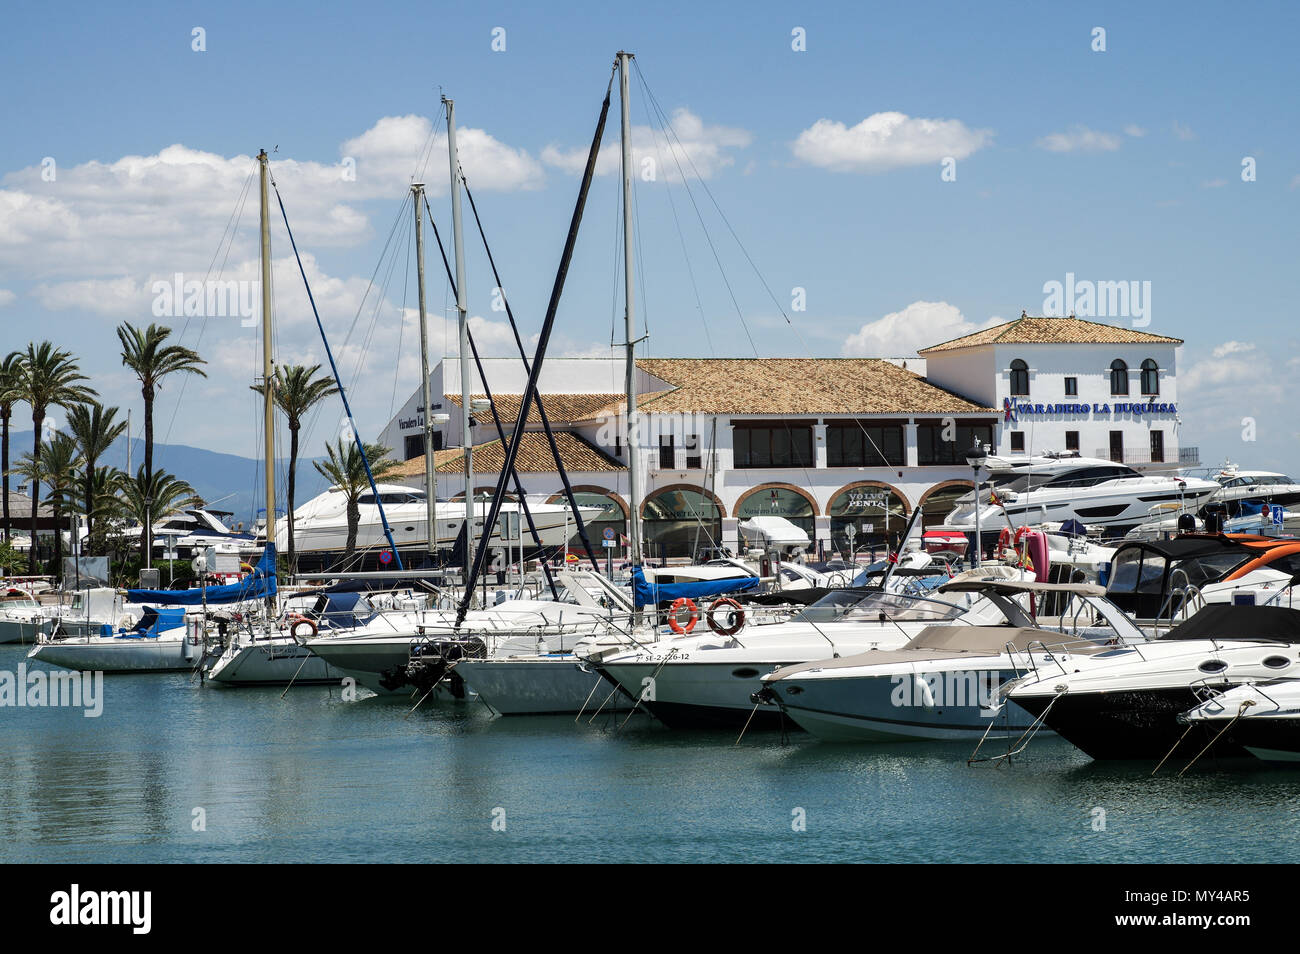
(320, 524)
(943, 684)
(1125, 702)
(1095, 492)
(21, 619)
(708, 680)
(1261, 717)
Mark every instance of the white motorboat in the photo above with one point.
(321, 523)
(21, 619)
(943, 684)
(1261, 717)
(193, 530)
(1092, 491)
(1125, 703)
(709, 680)
(257, 653)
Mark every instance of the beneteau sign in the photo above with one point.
(1150, 409)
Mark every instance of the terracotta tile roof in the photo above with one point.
(534, 457)
(796, 386)
(561, 408)
(1030, 330)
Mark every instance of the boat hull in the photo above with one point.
(273, 663)
(699, 695)
(133, 655)
(541, 685)
(872, 709)
(1129, 724)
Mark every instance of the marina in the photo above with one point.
(648, 437)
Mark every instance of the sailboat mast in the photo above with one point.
(629, 317)
(462, 316)
(430, 520)
(268, 380)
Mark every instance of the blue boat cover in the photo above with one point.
(257, 585)
(153, 622)
(646, 593)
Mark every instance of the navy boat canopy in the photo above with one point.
(647, 594)
(259, 584)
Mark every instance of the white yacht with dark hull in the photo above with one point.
(1125, 703)
(320, 525)
(1095, 492)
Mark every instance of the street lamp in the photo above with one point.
(976, 457)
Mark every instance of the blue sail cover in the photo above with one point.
(646, 593)
(259, 584)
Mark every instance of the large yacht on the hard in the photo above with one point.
(1059, 487)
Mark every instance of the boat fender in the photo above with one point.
(737, 616)
(675, 624)
(296, 621)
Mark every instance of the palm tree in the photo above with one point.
(346, 471)
(297, 390)
(57, 466)
(49, 377)
(103, 490)
(147, 498)
(95, 428)
(10, 393)
(147, 354)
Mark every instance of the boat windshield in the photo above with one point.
(845, 605)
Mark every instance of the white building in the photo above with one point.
(825, 442)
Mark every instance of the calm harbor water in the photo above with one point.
(315, 778)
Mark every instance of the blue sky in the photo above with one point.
(1117, 165)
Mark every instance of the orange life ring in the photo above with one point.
(296, 621)
(737, 617)
(678, 605)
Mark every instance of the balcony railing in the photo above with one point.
(1187, 457)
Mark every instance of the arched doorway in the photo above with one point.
(679, 520)
(876, 511)
(613, 516)
(940, 499)
(780, 500)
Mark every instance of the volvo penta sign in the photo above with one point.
(1013, 412)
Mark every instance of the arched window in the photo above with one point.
(777, 502)
(1019, 378)
(679, 521)
(1118, 377)
(877, 512)
(1150, 377)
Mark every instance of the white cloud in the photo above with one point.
(398, 148)
(1232, 347)
(902, 333)
(692, 147)
(169, 212)
(885, 141)
(1079, 139)
(1134, 130)
(1183, 132)
(7, 297)
(1214, 183)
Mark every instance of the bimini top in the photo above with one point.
(1193, 545)
(1013, 587)
(1226, 621)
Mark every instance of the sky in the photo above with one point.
(813, 180)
